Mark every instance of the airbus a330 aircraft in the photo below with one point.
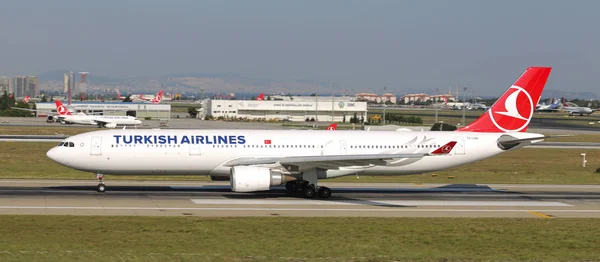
(255, 160)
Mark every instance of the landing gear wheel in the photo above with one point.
(309, 192)
(101, 188)
(324, 192)
(292, 187)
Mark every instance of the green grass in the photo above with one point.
(75, 238)
(526, 165)
(44, 130)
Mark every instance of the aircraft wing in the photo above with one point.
(102, 122)
(336, 161)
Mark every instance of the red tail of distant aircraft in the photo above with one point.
(26, 99)
(62, 109)
(158, 97)
(260, 97)
(332, 127)
(119, 96)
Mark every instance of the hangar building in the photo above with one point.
(332, 110)
(139, 110)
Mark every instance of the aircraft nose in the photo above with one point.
(56, 155)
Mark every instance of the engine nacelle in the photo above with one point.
(50, 119)
(110, 125)
(251, 178)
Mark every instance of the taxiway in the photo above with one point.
(183, 198)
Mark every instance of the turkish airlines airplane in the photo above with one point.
(156, 100)
(255, 160)
(65, 117)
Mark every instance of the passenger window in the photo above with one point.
(71, 144)
(61, 143)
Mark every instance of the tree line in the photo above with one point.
(8, 102)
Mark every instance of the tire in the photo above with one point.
(309, 192)
(101, 188)
(324, 192)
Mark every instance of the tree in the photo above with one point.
(128, 98)
(192, 111)
(44, 99)
(4, 101)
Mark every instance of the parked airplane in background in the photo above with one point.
(552, 107)
(26, 99)
(260, 97)
(574, 109)
(257, 159)
(65, 117)
(156, 100)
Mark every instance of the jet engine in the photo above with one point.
(252, 178)
(51, 119)
(110, 125)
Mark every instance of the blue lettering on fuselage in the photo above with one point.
(174, 139)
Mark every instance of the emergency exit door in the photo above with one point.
(96, 146)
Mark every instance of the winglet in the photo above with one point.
(445, 149)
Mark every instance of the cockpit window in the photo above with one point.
(67, 144)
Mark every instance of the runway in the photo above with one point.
(214, 199)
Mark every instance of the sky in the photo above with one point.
(358, 45)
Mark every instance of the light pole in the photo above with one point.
(435, 100)
(384, 105)
(464, 106)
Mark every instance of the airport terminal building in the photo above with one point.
(139, 110)
(332, 110)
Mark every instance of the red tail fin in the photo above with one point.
(158, 97)
(261, 97)
(332, 127)
(62, 109)
(514, 109)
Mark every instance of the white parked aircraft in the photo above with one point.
(156, 100)
(65, 117)
(257, 159)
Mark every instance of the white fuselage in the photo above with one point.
(94, 120)
(203, 152)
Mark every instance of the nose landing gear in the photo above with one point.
(101, 187)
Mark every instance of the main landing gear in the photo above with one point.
(101, 187)
(307, 190)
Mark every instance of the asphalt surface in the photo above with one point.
(166, 198)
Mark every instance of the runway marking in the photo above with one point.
(304, 209)
(377, 202)
(539, 214)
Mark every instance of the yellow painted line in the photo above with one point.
(539, 214)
